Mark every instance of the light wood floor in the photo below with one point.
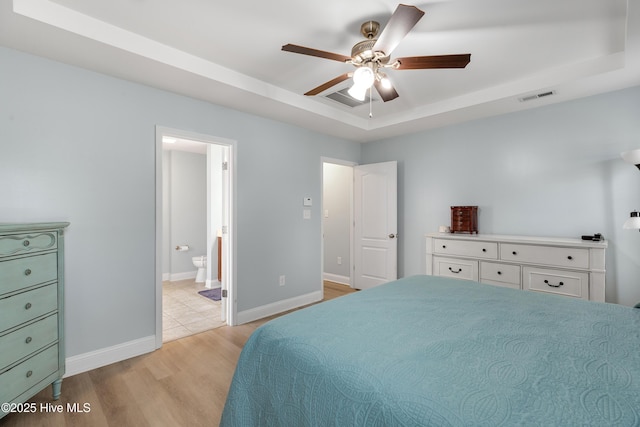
(185, 383)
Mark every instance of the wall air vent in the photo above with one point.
(537, 96)
(343, 97)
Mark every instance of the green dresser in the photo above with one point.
(31, 310)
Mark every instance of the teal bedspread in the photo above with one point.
(432, 351)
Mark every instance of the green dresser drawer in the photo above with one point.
(20, 273)
(28, 373)
(15, 244)
(21, 308)
(27, 340)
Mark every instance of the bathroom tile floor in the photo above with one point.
(185, 312)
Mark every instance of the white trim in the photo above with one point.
(186, 275)
(277, 307)
(106, 356)
(158, 275)
(336, 278)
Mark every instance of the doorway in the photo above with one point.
(367, 229)
(219, 204)
(337, 220)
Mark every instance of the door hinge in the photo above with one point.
(225, 229)
(224, 293)
(225, 166)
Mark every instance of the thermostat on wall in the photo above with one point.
(306, 201)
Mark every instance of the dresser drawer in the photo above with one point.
(457, 268)
(28, 373)
(20, 273)
(548, 255)
(569, 283)
(27, 340)
(14, 244)
(474, 249)
(23, 307)
(500, 274)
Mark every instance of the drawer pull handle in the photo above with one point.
(26, 243)
(27, 272)
(444, 246)
(553, 286)
(27, 306)
(499, 273)
(28, 340)
(515, 253)
(29, 373)
(453, 271)
(569, 257)
(484, 250)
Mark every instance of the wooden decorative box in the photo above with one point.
(464, 219)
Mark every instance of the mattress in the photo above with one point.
(434, 351)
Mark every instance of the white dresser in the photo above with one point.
(570, 267)
(31, 311)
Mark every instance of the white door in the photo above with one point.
(376, 225)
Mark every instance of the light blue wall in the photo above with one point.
(550, 171)
(186, 211)
(80, 147)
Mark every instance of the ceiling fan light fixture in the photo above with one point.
(373, 54)
(358, 92)
(385, 82)
(363, 77)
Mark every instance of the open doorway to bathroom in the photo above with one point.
(195, 236)
(337, 222)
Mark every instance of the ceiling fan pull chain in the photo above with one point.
(370, 103)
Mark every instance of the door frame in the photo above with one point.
(352, 165)
(229, 273)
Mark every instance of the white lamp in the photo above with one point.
(385, 82)
(633, 223)
(633, 157)
(363, 78)
(358, 92)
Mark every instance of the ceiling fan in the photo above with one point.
(372, 55)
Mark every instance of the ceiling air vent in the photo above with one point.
(537, 96)
(343, 97)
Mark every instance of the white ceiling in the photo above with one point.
(228, 53)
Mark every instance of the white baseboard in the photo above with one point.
(166, 276)
(106, 356)
(343, 280)
(174, 277)
(277, 307)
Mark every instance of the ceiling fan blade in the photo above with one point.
(387, 94)
(401, 22)
(436, 61)
(328, 84)
(315, 52)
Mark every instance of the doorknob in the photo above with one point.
(393, 236)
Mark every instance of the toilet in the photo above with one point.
(201, 263)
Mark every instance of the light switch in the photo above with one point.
(326, 213)
(306, 214)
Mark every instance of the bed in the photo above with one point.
(435, 351)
